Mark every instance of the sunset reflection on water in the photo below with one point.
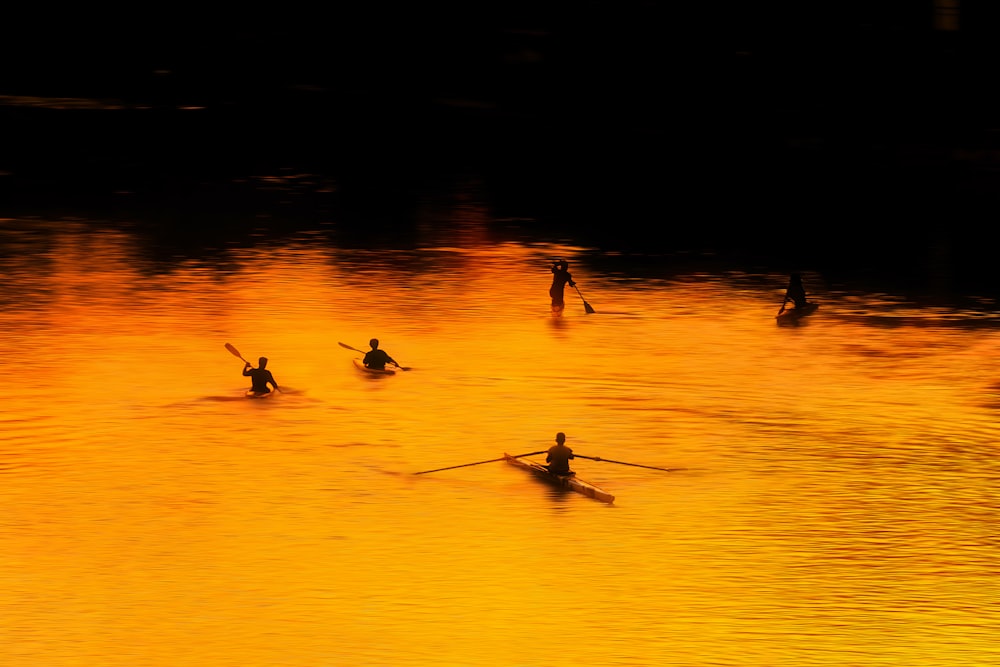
(836, 504)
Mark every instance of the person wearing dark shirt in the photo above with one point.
(560, 278)
(559, 455)
(795, 292)
(259, 377)
(376, 358)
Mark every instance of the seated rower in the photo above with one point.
(558, 456)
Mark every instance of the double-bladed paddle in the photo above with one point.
(345, 345)
(637, 465)
(465, 465)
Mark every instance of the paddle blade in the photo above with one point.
(234, 351)
(586, 306)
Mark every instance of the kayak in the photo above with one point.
(571, 481)
(253, 394)
(372, 371)
(793, 315)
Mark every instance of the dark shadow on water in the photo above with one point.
(223, 399)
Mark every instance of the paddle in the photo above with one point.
(637, 465)
(236, 353)
(586, 306)
(783, 304)
(465, 465)
(402, 368)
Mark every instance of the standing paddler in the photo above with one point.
(560, 277)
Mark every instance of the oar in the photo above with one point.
(783, 304)
(402, 368)
(465, 465)
(236, 353)
(637, 465)
(586, 306)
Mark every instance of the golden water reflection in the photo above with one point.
(837, 504)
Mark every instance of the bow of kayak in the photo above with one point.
(254, 394)
(793, 315)
(372, 371)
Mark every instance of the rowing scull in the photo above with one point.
(571, 482)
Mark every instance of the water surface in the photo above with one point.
(836, 503)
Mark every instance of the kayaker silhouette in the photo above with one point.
(376, 358)
(559, 455)
(560, 277)
(795, 293)
(259, 377)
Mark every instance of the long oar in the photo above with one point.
(466, 465)
(236, 353)
(637, 465)
(402, 368)
(586, 306)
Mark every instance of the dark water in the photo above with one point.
(186, 176)
(863, 143)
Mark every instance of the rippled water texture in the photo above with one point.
(836, 503)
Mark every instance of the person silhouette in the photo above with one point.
(795, 293)
(376, 358)
(560, 278)
(259, 377)
(559, 455)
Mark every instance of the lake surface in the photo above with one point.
(835, 501)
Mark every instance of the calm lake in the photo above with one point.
(835, 503)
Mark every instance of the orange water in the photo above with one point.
(837, 507)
